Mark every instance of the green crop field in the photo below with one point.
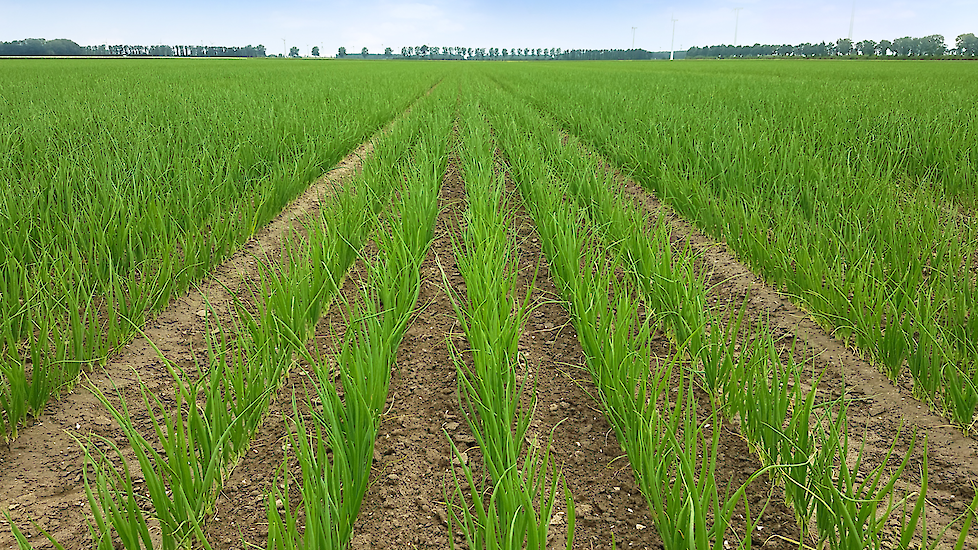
(608, 210)
(126, 183)
(850, 187)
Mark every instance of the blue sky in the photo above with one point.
(564, 24)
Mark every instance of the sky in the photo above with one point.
(567, 24)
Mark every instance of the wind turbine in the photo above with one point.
(736, 23)
(672, 45)
(633, 37)
(285, 53)
(852, 19)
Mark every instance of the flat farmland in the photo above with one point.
(344, 304)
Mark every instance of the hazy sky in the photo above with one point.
(567, 24)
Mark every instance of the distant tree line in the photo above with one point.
(617, 55)
(466, 53)
(40, 46)
(460, 52)
(965, 45)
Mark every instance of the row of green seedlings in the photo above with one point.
(902, 291)
(839, 501)
(762, 391)
(756, 385)
(512, 504)
(72, 304)
(195, 444)
(334, 445)
(663, 448)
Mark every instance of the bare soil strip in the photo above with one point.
(41, 471)
(403, 506)
(878, 409)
